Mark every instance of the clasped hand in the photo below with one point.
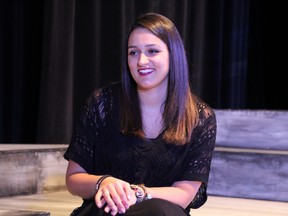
(116, 194)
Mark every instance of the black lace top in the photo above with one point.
(100, 148)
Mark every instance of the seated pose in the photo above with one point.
(143, 145)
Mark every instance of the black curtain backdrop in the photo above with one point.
(53, 53)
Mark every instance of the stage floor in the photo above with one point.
(62, 203)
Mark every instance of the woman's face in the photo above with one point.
(148, 60)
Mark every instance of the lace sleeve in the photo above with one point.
(87, 133)
(200, 160)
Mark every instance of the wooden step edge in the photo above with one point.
(251, 151)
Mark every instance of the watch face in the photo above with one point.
(139, 194)
(138, 191)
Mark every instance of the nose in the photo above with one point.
(143, 59)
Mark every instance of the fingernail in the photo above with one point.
(106, 210)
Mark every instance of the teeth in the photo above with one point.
(145, 71)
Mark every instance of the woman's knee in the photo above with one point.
(157, 207)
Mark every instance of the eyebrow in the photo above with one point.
(148, 45)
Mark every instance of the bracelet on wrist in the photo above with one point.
(140, 192)
(147, 195)
(100, 180)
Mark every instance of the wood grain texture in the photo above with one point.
(62, 203)
(29, 169)
(249, 175)
(256, 129)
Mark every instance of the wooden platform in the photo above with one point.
(235, 172)
(249, 173)
(31, 169)
(248, 176)
(62, 203)
(251, 155)
(23, 213)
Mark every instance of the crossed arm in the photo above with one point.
(118, 195)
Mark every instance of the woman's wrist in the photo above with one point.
(141, 192)
(100, 180)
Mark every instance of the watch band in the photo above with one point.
(138, 193)
(141, 194)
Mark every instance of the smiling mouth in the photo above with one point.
(144, 72)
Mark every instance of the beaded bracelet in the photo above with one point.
(100, 180)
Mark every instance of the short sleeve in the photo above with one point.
(198, 161)
(86, 134)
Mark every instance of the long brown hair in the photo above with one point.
(180, 113)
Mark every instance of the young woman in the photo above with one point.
(144, 146)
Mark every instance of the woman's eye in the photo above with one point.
(133, 52)
(153, 51)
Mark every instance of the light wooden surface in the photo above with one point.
(224, 206)
(62, 203)
(57, 203)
